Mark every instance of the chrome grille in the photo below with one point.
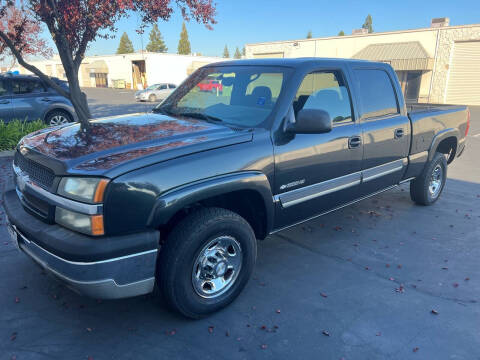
(39, 174)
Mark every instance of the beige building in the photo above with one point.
(440, 64)
(132, 71)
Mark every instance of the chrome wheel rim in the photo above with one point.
(58, 120)
(217, 266)
(436, 181)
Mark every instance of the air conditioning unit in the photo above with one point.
(440, 22)
(359, 31)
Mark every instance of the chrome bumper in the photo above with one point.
(114, 278)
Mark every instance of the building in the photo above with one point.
(132, 71)
(440, 64)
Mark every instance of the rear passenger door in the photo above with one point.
(385, 128)
(30, 99)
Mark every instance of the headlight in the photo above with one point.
(90, 225)
(88, 190)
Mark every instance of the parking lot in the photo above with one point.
(383, 278)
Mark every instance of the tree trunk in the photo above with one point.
(77, 97)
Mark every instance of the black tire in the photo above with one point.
(152, 98)
(185, 244)
(420, 190)
(57, 117)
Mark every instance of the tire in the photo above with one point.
(181, 271)
(427, 188)
(57, 117)
(152, 98)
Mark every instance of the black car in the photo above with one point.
(175, 199)
(26, 97)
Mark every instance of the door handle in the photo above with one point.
(398, 133)
(46, 99)
(354, 142)
(4, 101)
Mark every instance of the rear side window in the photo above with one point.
(377, 95)
(3, 87)
(22, 86)
(325, 90)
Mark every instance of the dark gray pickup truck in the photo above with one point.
(175, 199)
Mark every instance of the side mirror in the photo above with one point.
(311, 121)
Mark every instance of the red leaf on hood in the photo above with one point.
(17, 300)
(278, 311)
(264, 346)
(326, 333)
(434, 312)
(415, 349)
(13, 336)
(210, 329)
(455, 285)
(323, 295)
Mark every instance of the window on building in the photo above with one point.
(27, 86)
(325, 90)
(377, 96)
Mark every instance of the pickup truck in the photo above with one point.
(174, 200)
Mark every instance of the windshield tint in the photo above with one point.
(238, 95)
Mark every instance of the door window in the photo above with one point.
(24, 86)
(162, 87)
(325, 90)
(377, 96)
(171, 86)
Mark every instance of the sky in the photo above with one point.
(251, 21)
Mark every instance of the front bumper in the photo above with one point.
(103, 268)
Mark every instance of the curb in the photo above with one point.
(7, 153)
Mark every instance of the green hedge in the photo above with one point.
(13, 131)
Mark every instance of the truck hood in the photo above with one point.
(114, 143)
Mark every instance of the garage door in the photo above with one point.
(268, 55)
(464, 79)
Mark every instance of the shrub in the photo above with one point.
(13, 131)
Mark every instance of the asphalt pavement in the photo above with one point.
(382, 279)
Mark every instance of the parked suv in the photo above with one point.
(27, 97)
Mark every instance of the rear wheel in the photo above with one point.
(427, 188)
(57, 117)
(206, 261)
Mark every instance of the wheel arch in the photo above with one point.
(247, 193)
(445, 142)
(58, 108)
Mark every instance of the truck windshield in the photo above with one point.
(236, 95)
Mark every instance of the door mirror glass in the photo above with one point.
(311, 121)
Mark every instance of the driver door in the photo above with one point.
(315, 173)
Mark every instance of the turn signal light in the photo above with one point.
(97, 225)
(100, 191)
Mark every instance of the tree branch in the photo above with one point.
(32, 68)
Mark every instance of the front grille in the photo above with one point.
(39, 174)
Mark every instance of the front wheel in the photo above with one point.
(427, 188)
(152, 98)
(206, 261)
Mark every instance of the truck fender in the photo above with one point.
(169, 203)
(437, 139)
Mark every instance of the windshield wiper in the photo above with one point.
(200, 115)
(162, 111)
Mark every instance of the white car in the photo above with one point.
(156, 92)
